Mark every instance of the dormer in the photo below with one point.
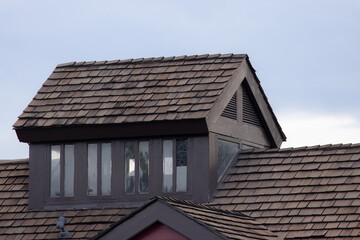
(120, 132)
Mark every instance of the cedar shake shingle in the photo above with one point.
(304, 192)
(122, 84)
(18, 222)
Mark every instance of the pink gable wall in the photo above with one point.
(159, 231)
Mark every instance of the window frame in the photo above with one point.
(226, 139)
(99, 194)
(62, 172)
(137, 167)
(174, 170)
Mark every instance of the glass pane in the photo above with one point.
(226, 152)
(130, 167)
(144, 167)
(181, 165)
(246, 147)
(92, 169)
(167, 166)
(69, 171)
(55, 172)
(106, 169)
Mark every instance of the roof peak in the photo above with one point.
(153, 59)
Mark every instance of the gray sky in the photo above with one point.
(306, 53)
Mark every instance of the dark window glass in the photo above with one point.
(130, 167)
(106, 169)
(181, 165)
(92, 169)
(144, 167)
(55, 172)
(69, 171)
(167, 166)
(226, 152)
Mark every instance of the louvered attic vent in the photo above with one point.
(230, 110)
(250, 113)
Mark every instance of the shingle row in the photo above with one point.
(130, 91)
(309, 191)
(18, 222)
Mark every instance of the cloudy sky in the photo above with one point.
(306, 53)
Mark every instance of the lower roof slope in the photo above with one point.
(233, 225)
(18, 222)
(301, 193)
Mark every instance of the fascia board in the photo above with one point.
(231, 87)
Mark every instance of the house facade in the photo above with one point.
(171, 147)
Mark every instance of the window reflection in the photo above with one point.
(55, 172)
(105, 169)
(181, 165)
(144, 167)
(69, 171)
(226, 152)
(130, 167)
(92, 169)
(167, 166)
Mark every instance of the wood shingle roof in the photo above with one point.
(233, 225)
(18, 222)
(300, 193)
(128, 91)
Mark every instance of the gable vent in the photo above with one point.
(250, 113)
(230, 110)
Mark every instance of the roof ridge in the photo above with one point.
(153, 59)
(301, 148)
(203, 205)
(14, 161)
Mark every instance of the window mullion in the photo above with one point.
(137, 167)
(174, 165)
(99, 172)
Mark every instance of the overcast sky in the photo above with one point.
(306, 53)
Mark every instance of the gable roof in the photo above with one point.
(142, 91)
(224, 224)
(18, 222)
(299, 193)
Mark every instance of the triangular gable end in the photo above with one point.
(159, 231)
(151, 215)
(243, 112)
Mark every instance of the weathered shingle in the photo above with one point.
(127, 89)
(18, 222)
(306, 192)
(233, 225)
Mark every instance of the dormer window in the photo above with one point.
(62, 171)
(99, 164)
(137, 157)
(175, 156)
(226, 151)
(118, 132)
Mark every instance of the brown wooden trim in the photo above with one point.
(98, 132)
